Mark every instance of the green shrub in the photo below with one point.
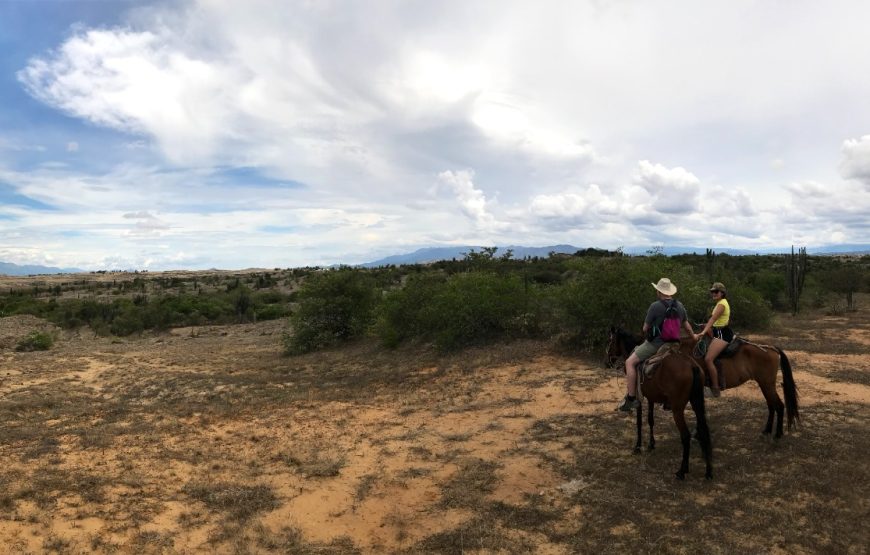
(771, 286)
(36, 341)
(401, 315)
(477, 307)
(617, 292)
(334, 306)
(749, 310)
(271, 312)
(127, 321)
(460, 310)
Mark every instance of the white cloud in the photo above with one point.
(362, 104)
(672, 190)
(562, 205)
(819, 208)
(135, 81)
(808, 189)
(471, 200)
(16, 146)
(856, 159)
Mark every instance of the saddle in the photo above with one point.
(652, 363)
(729, 351)
(732, 347)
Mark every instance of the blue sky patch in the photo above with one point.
(250, 176)
(279, 229)
(9, 196)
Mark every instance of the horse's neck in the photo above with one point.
(629, 342)
(687, 345)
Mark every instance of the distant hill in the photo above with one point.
(10, 269)
(840, 249)
(434, 254)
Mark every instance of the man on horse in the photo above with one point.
(652, 330)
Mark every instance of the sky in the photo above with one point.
(197, 134)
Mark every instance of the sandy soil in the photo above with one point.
(209, 440)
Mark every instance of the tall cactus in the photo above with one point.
(710, 265)
(795, 272)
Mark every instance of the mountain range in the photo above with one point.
(434, 254)
(10, 269)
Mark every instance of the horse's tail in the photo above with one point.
(790, 390)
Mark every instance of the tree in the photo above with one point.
(481, 260)
(795, 272)
(242, 302)
(710, 265)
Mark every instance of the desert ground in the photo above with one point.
(210, 440)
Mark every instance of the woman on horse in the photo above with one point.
(717, 327)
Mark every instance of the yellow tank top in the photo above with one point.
(723, 320)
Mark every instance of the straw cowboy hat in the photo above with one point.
(665, 287)
(718, 286)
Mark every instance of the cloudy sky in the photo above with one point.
(267, 133)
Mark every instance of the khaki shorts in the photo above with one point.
(646, 350)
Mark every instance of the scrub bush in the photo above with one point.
(618, 291)
(333, 307)
(459, 310)
(36, 341)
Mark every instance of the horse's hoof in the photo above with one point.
(637, 450)
(708, 475)
(680, 475)
(650, 447)
(765, 432)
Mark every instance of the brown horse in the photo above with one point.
(678, 380)
(750, 362)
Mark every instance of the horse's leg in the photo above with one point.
(702, 431)
(639, 424)
(651, 418)
(774, 404)
(639, 393)
(678, 410)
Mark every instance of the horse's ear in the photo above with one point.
(612, 329)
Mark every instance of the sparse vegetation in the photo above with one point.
(238, 501)
(486, 296)
(36, 341)
(210, 439)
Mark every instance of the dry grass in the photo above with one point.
(214, 442)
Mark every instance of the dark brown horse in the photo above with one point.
(750, 362)
(679, 381)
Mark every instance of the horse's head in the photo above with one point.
(620, 344)
(614, 348)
